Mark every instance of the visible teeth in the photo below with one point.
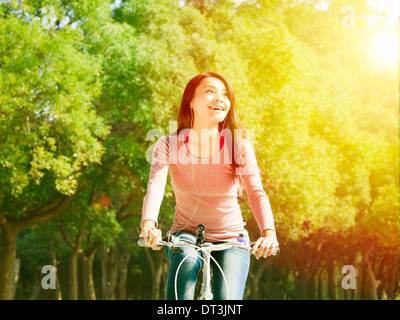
(216, 108)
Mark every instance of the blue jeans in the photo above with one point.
(234, 262)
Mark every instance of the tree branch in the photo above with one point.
(93, 248)
(65, 235)
(45, 213)
(79, 237)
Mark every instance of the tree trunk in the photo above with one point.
(157, 277)
(7, 261)
(320, 286)
(73, 259)
(37, 290)
(331, 280)
(253, 290)
(300, 286)
(255, 275)
(114, 269)
(88, 282)
(57, 293)
(381, 292)
(108, 271)
(311, 286)
(390, 280)
(393, 278)
(10, 230)
(123, 275)
(104, 272)
(17, 266)
(156, 273)
(73, 276)
(370, 283)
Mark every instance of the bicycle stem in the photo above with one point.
(205, 292)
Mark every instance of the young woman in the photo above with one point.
(209, 160)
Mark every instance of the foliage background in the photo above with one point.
(82, 83)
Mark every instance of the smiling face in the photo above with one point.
(210, 103)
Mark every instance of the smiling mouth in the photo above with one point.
(216, 108)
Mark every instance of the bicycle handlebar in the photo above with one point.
(200, 236)
(175, 243)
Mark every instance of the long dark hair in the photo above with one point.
(230, 123)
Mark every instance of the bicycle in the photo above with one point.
(174, 243)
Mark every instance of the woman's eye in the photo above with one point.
(225, 94)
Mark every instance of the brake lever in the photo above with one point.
(171, 238)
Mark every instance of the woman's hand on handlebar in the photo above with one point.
(265, 244)
(150, 234)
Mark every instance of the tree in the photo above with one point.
(49, 129)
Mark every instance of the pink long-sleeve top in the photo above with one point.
(205, 189)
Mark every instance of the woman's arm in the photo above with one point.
(155, 194)
(259, 203)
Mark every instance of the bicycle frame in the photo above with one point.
(207, 248)
(205, 290)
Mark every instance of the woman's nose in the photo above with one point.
(217, 97)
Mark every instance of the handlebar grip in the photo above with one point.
(276, 251)
(140, 242)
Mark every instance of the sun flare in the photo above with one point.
(386, 5)
(384, 48)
